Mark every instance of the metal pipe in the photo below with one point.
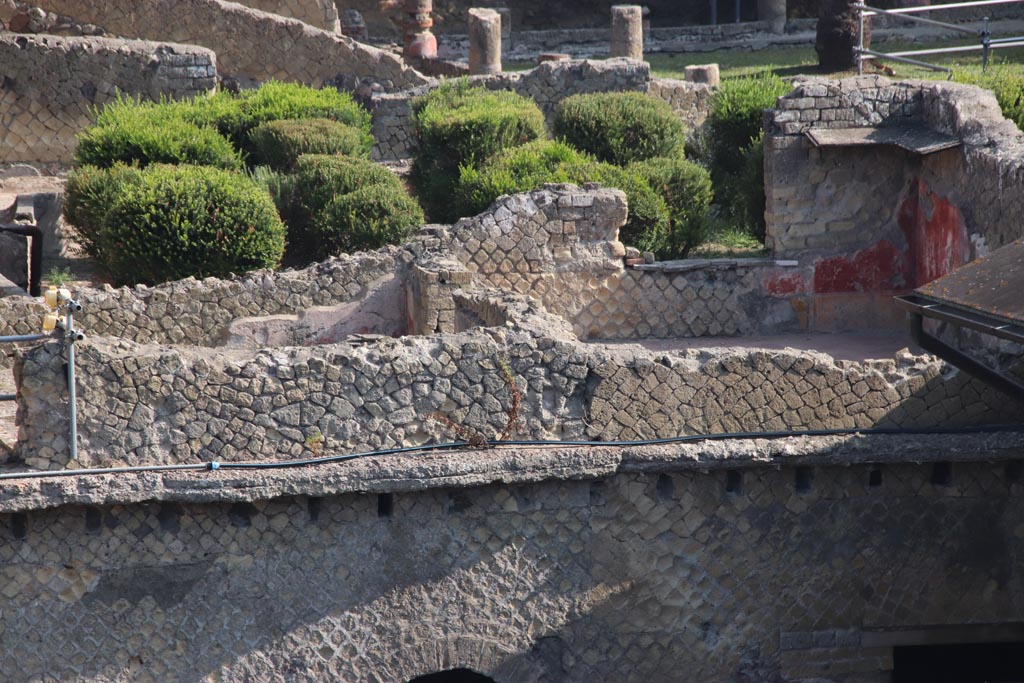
(873, 11)
(72, 412)
(35, 259)
(860, 39)
(8, 397)
(906, 60)
(932, 8)
(16, 338)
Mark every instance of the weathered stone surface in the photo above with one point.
(42, 115)
(632, 577)
(249, 43)
(484, 41)
(320, 13)
(627, 39)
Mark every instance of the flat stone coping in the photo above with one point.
(508, 465)
(690, 264)
(919, 140)
(853, 346)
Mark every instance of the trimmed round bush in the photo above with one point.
(369, 218)
(278, 144)
(733, 148)
(88, 196)
(317, 181)
(180, 221)
(130, 132)
(459, 125)
(686, 188)
(276, 101)
(620, 127)
(530, 166)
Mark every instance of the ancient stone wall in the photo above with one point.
(561, 247)
(869, 221)
(548, 84)
(200, 312)
(690, 101)
(51, 83)
(249, 43)
(759, 574)
(320, 13)
(149, 404)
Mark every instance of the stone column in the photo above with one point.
(419, 42)
(484, 41)
(774, 12)
(627, 31)
(703, 73)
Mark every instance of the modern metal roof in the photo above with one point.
(911, 138)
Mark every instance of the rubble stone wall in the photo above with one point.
(633, 577)
(150, 404)
(320, 13)
(249, 43)
(547, 84)
(198, 312)
(560, 246)
(866, 222)
(50, 85)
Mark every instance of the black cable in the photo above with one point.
(688, 438)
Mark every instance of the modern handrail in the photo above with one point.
(986, 45)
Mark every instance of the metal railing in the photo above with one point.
(61, 303)
(986, 43)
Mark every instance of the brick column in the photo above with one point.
(419, 42)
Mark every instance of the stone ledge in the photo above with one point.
(508, 465)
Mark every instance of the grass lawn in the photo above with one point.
(795, 61)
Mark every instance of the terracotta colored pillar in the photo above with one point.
(627, 31)
(419, 42)
(484, 41)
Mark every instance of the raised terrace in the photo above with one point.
(512, 445)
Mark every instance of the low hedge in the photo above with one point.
(369, 218)
(278, 144)
(320, 180)
(459, 125)
(143, 133)
(88, 195)
(170, 222)
(211, 130)
(530, 166)
(620, 127)
(686, 188)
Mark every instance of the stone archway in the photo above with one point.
(453, 676)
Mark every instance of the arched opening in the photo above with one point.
(453, 676)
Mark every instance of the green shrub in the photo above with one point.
(686, 188)
(620, 127)
(275, 101)
(732, 147)
(530, 166)
(88, 196)
(177, 221)
(369, 218)
(459, 125)
(144, 133)
(317, 182)
(279, 143)
(736, 118)
(519, 169)
(1006, 83)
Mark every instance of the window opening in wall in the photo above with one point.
(965, 663)
(453, 676)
